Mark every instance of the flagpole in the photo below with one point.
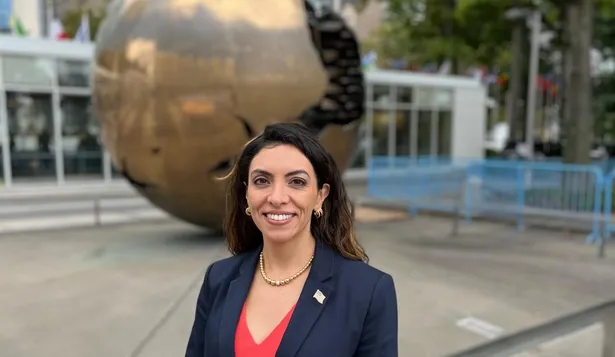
(536, 24)
(46, 17)
(52, 11)
(548, 111)
(540, 104)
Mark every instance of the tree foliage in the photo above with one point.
(72, 20)
(470, 32)
(604, 83)
(604, 27)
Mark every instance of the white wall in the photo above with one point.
(349, 14)
(43, 47)
(30, 14)
(469, 120)
(414, 79)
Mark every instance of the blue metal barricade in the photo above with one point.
(435, 184)
(609, 180)
(516, 189)
(541, 189)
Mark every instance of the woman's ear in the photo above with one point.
(323, 193)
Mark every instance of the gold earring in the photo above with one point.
(318, 213)
(248, 211)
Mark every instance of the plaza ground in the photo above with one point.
(130, 290)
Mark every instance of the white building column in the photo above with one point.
(107, 172)
(58, 138)
(4, 134)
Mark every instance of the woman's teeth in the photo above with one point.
(279, 217)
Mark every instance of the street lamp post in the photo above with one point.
(534, 17)
(536, 24)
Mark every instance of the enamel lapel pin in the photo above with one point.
(319, 296)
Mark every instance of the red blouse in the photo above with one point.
(245, 346)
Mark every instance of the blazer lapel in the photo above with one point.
(235, 298)
(308, 307)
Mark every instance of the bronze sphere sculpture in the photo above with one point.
(181, 85)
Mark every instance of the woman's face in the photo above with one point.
(283, 193)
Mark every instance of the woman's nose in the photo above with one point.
(278, 195)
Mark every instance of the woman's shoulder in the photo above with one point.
(225, 269)
(361, 273)
(362, 286)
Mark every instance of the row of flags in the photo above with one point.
(545, 82)
(548, 83)
(56, 29)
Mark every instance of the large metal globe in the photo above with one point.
(181, 85)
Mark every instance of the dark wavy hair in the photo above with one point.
(335, 228)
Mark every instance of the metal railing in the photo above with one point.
(609, 181)
(535, 336)
(570, 196)
(520, 189)
(29, 214)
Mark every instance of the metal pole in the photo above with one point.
(536, 23)
(602, 247)
(459, 206)
(97, 212)
(5, 137)
(608, 346)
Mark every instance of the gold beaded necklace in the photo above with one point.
(283, 281)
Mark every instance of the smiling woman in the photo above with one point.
(298, 283)
(286, 171)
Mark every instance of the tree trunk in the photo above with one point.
(564, 107)
(514, 101)
(577, 106)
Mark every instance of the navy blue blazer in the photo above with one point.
(358, 317)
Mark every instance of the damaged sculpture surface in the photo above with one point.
(181, 85)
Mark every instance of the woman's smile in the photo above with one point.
(279, 218)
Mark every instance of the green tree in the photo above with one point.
(465, 32)
(72, 20)
(604, 85)
(604, 27)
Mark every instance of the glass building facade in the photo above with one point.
(48, 131)
(408, 120)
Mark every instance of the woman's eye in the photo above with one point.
(297, 182)
(260, 181)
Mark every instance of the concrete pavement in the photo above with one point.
(130, 290)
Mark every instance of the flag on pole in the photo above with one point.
(445, 68)
(56, 30)
(368, 61)
(83, 33)
(17, 27)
